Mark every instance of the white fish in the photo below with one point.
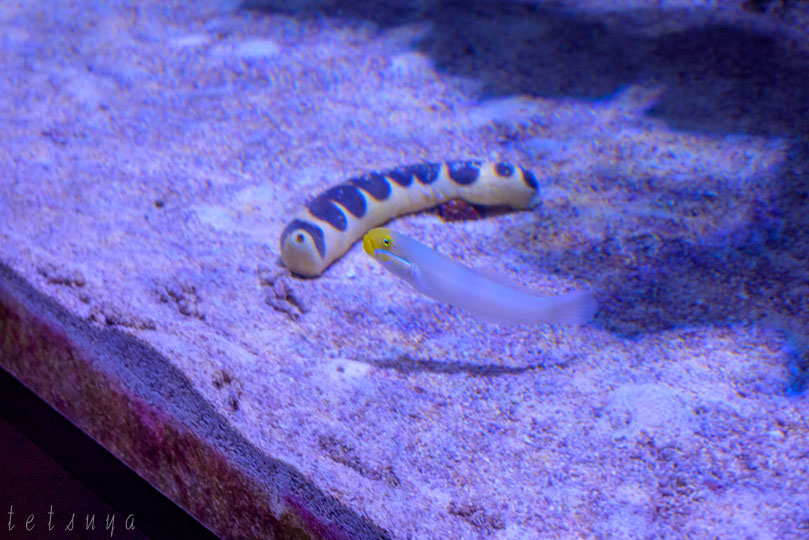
(446, 280)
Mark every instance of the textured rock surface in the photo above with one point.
(152, 151)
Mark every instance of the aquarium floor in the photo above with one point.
(153, 151)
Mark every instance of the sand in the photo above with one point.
(152, 152)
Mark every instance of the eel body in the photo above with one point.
(490, 300)
(331, 222)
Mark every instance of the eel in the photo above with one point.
(330, 223)
(490, 300)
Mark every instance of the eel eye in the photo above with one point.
(386, 241)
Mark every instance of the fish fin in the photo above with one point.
(575, 308)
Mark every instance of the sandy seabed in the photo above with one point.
(152, 152)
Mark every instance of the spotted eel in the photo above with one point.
(330, 223)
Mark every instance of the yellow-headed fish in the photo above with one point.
(446, 280)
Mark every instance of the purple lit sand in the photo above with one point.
(152, 152)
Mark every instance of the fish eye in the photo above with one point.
(386, 241)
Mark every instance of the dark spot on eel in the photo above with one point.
(529, 179)
(464, 172)
(504, 170)
(349, 197)
(374, 184)
(400, 175)
(323, 209)
(426, 173)
(313, 230)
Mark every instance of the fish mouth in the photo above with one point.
(368, 245)
(386, 257)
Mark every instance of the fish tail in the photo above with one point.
(574, 308)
